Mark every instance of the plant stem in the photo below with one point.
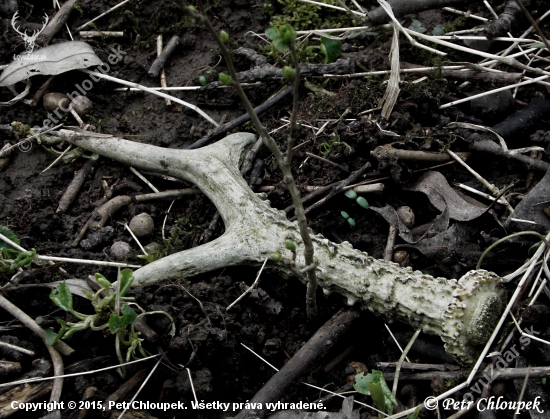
(283, 160)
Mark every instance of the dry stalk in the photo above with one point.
(283, 159)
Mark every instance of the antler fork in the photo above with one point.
(463, 313)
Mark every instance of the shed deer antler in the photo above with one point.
(463, 313)
(29, 40)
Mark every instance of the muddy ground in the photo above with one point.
(272, 320)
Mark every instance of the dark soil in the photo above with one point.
(272, 320)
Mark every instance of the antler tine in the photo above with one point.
(13, 20)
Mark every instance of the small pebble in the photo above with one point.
(407, 216)
(400, 256)
(119, 250)
(142, 225)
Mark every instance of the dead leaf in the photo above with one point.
(53, 59)
(441, 195)
(533, 207)
(440, 224)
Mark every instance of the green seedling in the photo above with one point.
(20, 259)
(330, 48)
(374, 385)
(346, 216)
(224, 36)
(120, 323)
(203, 81)
(282, 37)
(289, 244)
(438, 31)
(351, 194)
(417, 26)
(225, 79)
(288, 73)
(362, 202)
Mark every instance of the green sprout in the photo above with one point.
(374, 385)
(346, 216)
(362, 202)
(203, 81)
(225, 79)
(224, 36)
(288, 73)
(120, 323)
(20, 259)
(351, 194)
(282, 37)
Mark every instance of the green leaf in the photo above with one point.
(377, 395)
(361, 383)
(288, 34)
(23, 259)
(289, 244)
(272, 33)
(417, 26)
(117, 322)
(531, 251)
(351, 222)
(281, 37)
(374, 385)
(390, 399)
(351, 194)
(288, 73)
(330, 49)
(126, 279)
(10, 235)
(415, 414)
(51, 337)
(344, 214)
(225, 79)
(224, 36)
(62, 297)
(101, 280)
(77, 328)
(362, 201)
(438, 30)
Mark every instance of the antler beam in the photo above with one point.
(463, 313)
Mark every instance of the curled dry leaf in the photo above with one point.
(53, 59)
(441, 195)
(415, 235)
(534, 207)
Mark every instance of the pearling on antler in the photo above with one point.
(463, 313)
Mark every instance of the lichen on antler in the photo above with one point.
(463, 313)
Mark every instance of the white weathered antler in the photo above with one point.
(463, 313)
